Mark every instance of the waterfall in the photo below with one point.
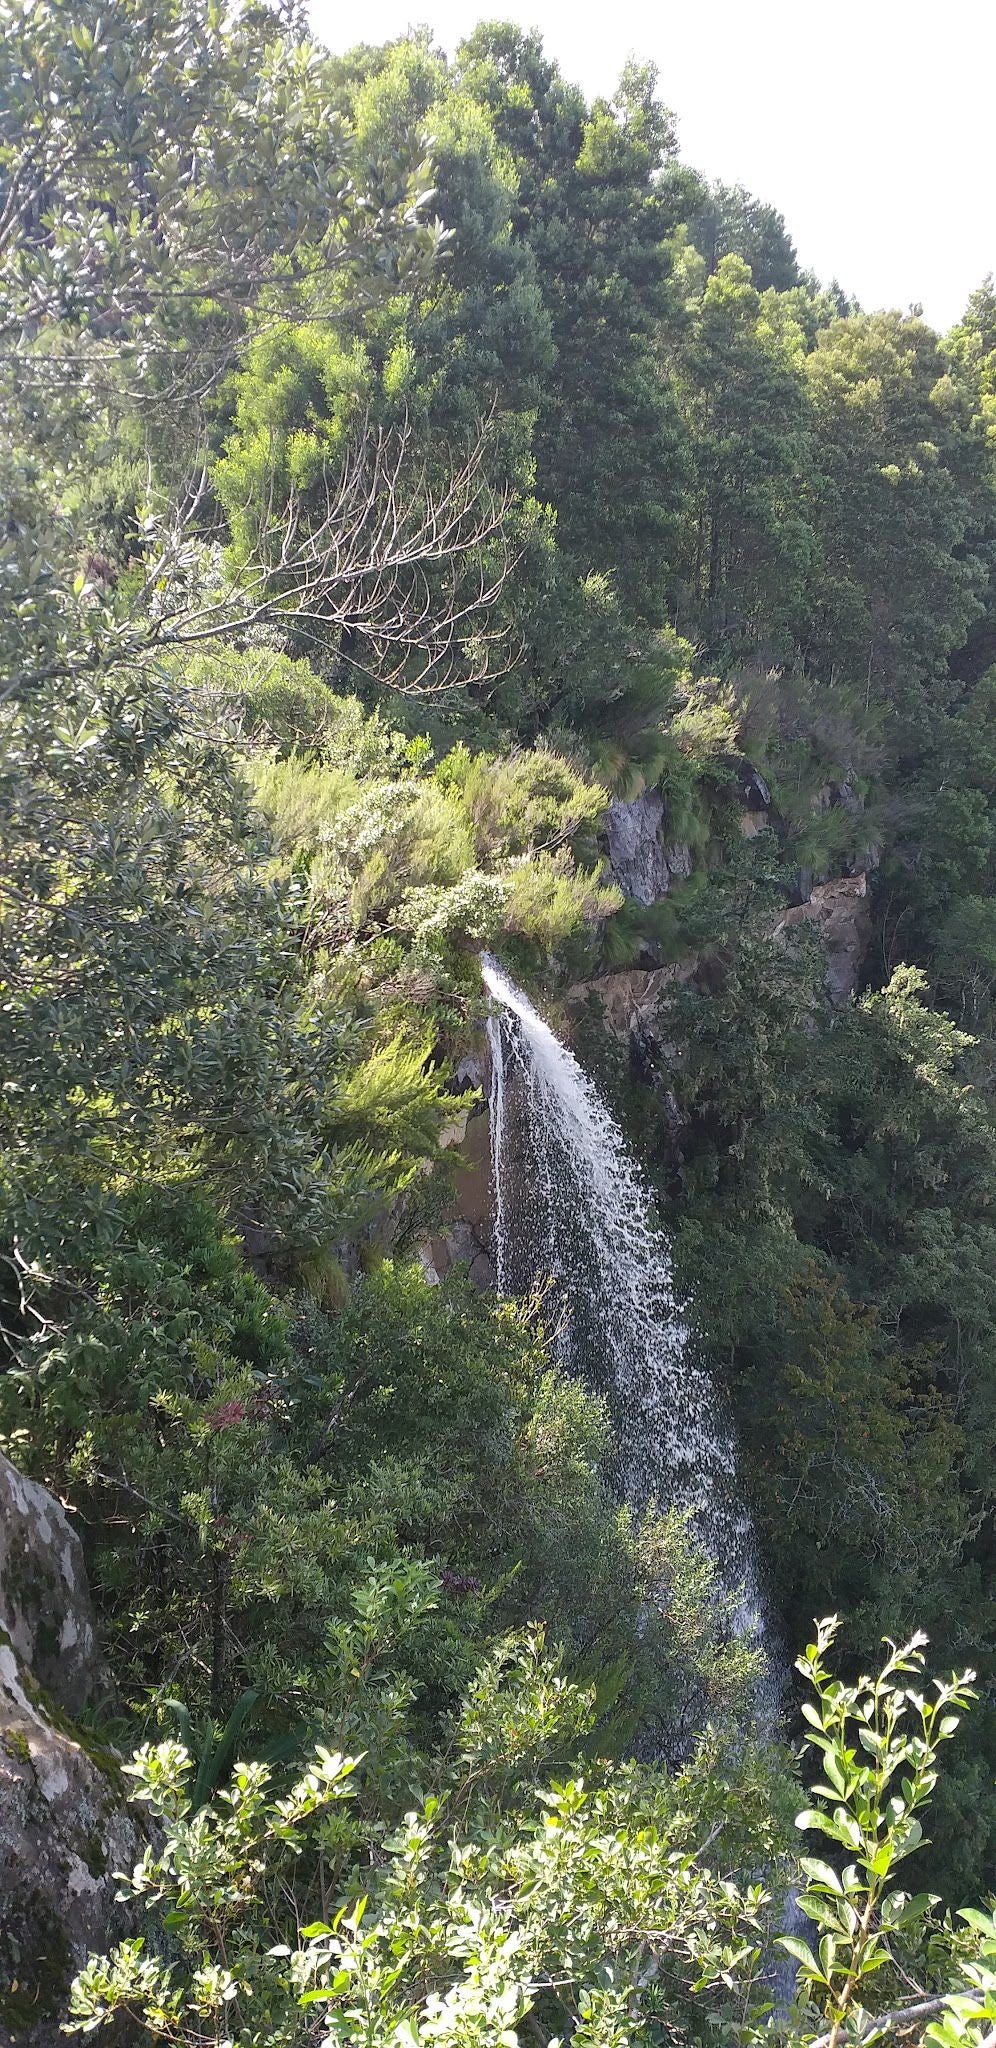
(573, 1211)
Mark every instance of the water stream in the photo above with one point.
(574, 1214)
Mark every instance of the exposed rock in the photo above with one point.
(466, 1229)
(45, 1605)
(753, 822)
(454, 1243)
(641, 863)
(840, 913)
(679, 860)
(630, 997)
(754, 798)
(867, 853)
(64, 1827)
(752, 789)
(832, 794)
(64, 1833)
(455, 1131)
(473, 1070)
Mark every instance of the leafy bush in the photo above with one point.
(500, 1896)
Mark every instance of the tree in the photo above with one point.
(599, 202)
(728, 222)
(749, 540)
(901, 511)
(586, 1904)
(505, 1895)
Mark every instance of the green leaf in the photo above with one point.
(794, 1945)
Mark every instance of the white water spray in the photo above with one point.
(572, 1207)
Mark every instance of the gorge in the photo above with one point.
(497, 1068)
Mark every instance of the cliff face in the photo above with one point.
(642, 861)
(64, 1828)
(839, 912)
(645, 863)
(45, 1607)
(465, 1232)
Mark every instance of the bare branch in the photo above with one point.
(405, 570)
(903, 2016)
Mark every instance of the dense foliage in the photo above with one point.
(403, 458)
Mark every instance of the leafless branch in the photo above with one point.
(404, 568)
(904, 2016)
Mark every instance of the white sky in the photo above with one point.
(868, 123)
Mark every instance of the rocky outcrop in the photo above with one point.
(465, 1231)
(839, 913)
(628, 999)
(755, 799)
(45, 1606)
(64, 1827)
(641, 862)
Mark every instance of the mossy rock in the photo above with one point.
(45, 1604)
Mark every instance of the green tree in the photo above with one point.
(513, 1892)
(749, 541)
(901, 510)
(599, 202)
(729, 222)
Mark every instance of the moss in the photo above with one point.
(105, 1759)
(94, 1855)
(36, 1964)
(16, 1744)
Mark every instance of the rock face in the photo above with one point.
(64, 1828)
(640, 862)
(840, 914)
(45, 1606)
(629, 998)
(755, 800)
(466, 1231)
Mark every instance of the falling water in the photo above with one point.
(572, 1208)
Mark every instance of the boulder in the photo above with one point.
(45, 1606)
(64, 1826)
(840, 914)
(641, 863)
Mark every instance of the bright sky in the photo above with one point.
(868, 123)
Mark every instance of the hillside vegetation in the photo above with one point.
(403, 460)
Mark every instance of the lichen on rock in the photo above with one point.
(65, 1830)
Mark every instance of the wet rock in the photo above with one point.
(752, 789)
